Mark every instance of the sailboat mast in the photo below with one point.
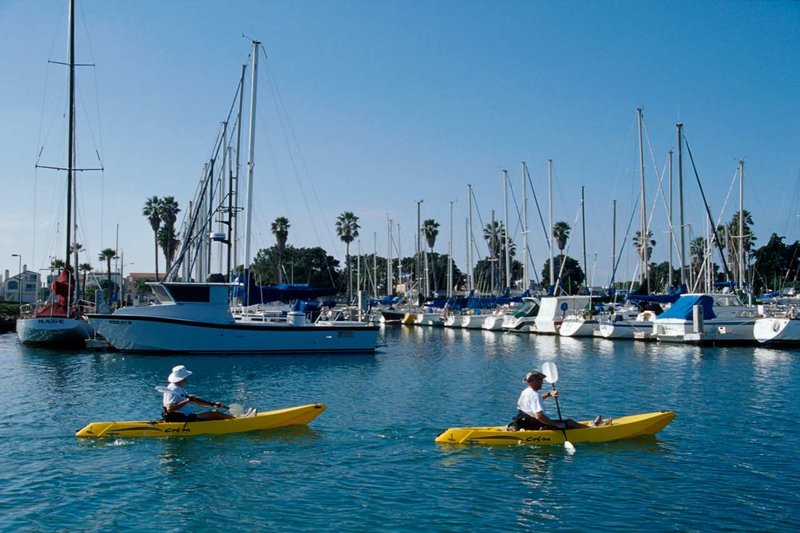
(389, 284)
(643, 237)
(679, 127)
(470, 277)
(508, 258)
(450, 256)
(550, 219)
(250, 154)
(613, 242)
(525, 274)
(70, 134)
(671, 230)
(583, 233)
(741, 224)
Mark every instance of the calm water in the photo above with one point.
(729, 460)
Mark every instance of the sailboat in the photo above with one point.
(59, 321)
(196, 317)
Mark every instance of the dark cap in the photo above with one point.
(530, 376)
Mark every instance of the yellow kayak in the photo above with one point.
(626, 427)
(290, 416)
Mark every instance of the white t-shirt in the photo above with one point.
(177, 394)
(530, 402)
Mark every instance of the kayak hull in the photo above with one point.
(290, 416)
(626, 427)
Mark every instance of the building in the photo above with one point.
(27, 281)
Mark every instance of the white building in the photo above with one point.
(27, 282)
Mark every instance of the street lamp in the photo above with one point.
(19, 280)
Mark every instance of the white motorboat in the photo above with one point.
(578, 325)
(778, 326)
(196, 317)
(494, 322)
(429, 317)
(617, 326)
(707, 318)
(473, 320)
(553, 309)
(523, 320)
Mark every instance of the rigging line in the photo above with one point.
(538, 209)
(286, 125)
(524, 235)
(708, 210)
(618, 258)
(569, 244)
(480, 220)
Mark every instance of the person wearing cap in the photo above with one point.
(530, 409)
(178, 403)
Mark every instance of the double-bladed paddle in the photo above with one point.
(550, 372)
(235, 409)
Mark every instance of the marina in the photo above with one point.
(370, 461)
(602, 338)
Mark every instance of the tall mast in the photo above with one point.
(741, 224)
(70, 134)
(233, 227)
(583, 235)
(470, 278)
(671, 230)
(389, 284)
(613, 241)
(550, 219)
(679, 127)
(450, 256)
(525, 273)
(250, 155)
(643, 237)
(508, 258)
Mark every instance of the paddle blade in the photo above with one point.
(569, 447)
(550, 372)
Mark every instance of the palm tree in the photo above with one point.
(430, 229)
(640, 247)
(347, 229)
(697, 251)
(151, 211)
(57, 264)
(743, 243)
(107, 255)
(560, 233)
(85, 268)
(168, 212)
(280, 228)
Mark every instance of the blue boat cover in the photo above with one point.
(282, 292)
(682, 309)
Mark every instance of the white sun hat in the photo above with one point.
(179, 373)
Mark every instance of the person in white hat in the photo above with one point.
(530, 411)
(178, 403)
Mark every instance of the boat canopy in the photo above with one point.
(282, 292)
(682, 309)
(669, 298)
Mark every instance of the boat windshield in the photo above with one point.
(190, 293)
(162, 294)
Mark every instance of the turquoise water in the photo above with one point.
(728, 461)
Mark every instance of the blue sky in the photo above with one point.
(393, 102)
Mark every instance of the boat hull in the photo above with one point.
(626, 427)
(149, 334)
(291, 416)
(777, 330)
(578, 327)
(61, 331)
